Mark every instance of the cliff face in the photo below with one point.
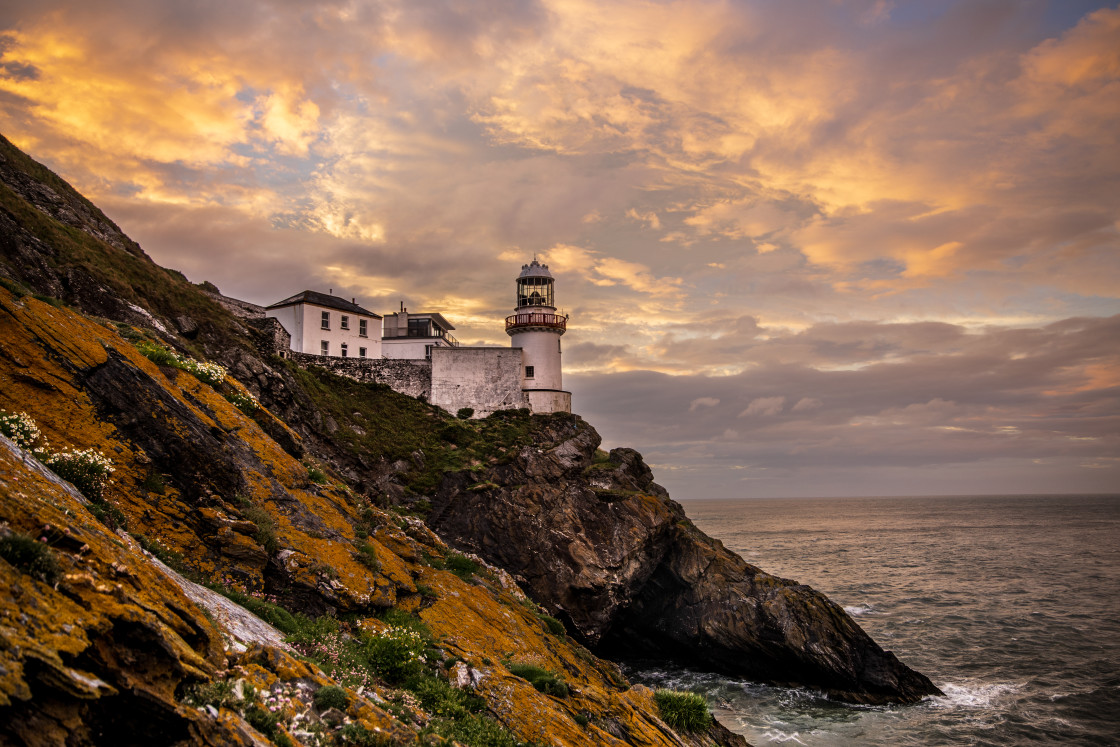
(109, 637)
(603, 547)
(101, 643)
(298, 507)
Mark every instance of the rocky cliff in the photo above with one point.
(593, 538)
(299, 495)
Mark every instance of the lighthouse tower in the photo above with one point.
(536, 328)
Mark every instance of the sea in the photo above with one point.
(1010, 604)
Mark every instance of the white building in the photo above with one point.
(536, 328)
(413, 335)
(323, 324)
(416, 354)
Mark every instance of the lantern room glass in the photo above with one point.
(534, 291)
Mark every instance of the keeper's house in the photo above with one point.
(324, 324)
(411, 336)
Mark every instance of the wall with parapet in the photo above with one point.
(484, 379)
(413, 378)
(549, 400)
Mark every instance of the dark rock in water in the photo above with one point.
(609, 553)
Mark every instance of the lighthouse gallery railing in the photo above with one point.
(536, 320)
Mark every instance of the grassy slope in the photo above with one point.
(130, 275)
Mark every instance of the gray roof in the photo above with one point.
(435, 316)
(323, 299)
(534, 270)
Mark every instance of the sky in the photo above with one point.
(828, 248)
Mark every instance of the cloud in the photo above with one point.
(699, 402)
(879, 230)
(763, 407)
(982, 403)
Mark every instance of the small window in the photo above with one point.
(428, 352)
(344, 350)
(324, 348)
(345, 323)
(528, 372)
(326, 323)
(363, 326)
(361, 352)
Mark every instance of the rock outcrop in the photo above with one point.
(99, 645)
(602, 546)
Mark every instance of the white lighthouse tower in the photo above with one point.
(536, 328)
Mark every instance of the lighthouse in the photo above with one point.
(536, 329)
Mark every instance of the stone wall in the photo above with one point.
(413, 378)
(237, 307)
(549, 400)
(484, 379)
(270, 336)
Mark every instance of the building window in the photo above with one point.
(361, 352)
(344, 350)
(324, 348)
(528, 372)
(363, 325)
(345, 323)
(326, 323)
(428, 352)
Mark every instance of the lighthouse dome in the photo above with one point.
(534, 270)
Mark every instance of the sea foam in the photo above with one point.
(971, 695)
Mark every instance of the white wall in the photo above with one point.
(307, 333)
(542, 352)
(485, 379)
(409, 348)
(292, 320)
(541, 401)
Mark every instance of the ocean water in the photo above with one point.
(1010, 604)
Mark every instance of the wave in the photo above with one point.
(971, 696)
(856, 610)
(776, 735)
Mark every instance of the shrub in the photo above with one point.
(158, 354)
(331, 696)
(359, 736)
(36, 559)
(88, 470)
(554, 626)
(218, 693)
(154, 483)
(465, 413)
(266, 527)
(316, 475)
(475, 730)
(440, 699)
(20, 428)
(367, 556)
(582, 719)
(397, 653)
(542, 679)
(462, 566)
(682, 710)
(246, 403)
(207, 373)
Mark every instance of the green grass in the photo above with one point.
(543, 680)
(266, 527)
(395, 427)
(127, 273)
(555, 627)
(34, 558)
(331, 696)
(462, 566)
(683, 711)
